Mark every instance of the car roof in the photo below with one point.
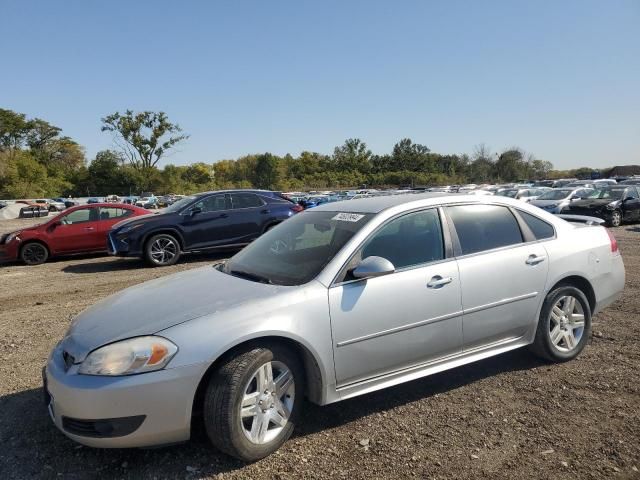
(104, 204)
(235, 190)
(377, 204)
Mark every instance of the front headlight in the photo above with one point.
(11, 237)
(127, 357)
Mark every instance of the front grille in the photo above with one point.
(68, 360)
(103, 428)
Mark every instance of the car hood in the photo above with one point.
(152, 306)
(138, 219)
(592, 203)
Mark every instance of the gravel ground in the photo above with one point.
(511, 416)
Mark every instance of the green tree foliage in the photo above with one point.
(143, 137)
(36, 159)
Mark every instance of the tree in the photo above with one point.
(266, 172)
(411, 156)
(353, 155)
(14, 128)
(143, 137)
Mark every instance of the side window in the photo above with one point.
(540, 228)
(632, 192)
(80, 216)
(245, 200)
(411, 239)
(110, 213)
(212, 203)
(484, 227)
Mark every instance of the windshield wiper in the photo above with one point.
(250, 276)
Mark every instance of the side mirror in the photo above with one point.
(372, 267)
(628, 198)
(195, 211)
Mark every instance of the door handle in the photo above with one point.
(438, 281)
(266, 210)
(535, 259)
(223, 215)
(89, 228)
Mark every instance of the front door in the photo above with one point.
(209, 225)
(502, 277)
(631, 204)
(76, 232)
(405, 318)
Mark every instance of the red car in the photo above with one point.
(80, 229)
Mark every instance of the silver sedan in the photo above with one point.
(338, 301)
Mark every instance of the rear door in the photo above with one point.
(211, 225)
(503, 272)
(77, 232)
(108, 217)
(249, 213)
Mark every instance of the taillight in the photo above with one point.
(297, 208)
(614, 242)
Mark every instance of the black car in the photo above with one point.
(212, 220)
(614, 204)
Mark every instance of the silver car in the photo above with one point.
(553, 201)
(344, 299)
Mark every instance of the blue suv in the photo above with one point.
(205, 221)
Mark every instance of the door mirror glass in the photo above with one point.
(372, 267)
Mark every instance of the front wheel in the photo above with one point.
(564, 325)
(34, 253)
(616, 219)
(253, 402)
(162, 250)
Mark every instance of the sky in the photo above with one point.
(560, 79)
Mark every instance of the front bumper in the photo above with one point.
(9, 253)
(116, 412)
(121, 246)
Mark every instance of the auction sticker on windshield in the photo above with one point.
(348, 217)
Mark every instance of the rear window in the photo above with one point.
(484, 227)
(540, 228)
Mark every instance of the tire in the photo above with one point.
(560, 337)
(34, 253)
(616, 219)
(162, 250)
(244, 437)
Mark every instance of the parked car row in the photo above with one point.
(206, 221)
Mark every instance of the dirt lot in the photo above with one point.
(507, 417)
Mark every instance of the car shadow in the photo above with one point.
(26, 428)
(134, 263)
(633, 229)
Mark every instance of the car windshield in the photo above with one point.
(297, 250)
(612, 193)
(180, 204)
(555, 195)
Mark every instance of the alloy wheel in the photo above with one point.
(34, 253)
(566, 325)
(163, 250)
(616, 219)
(267, 402)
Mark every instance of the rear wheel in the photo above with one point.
(564, 325)
(162, 250)
(616, 218)
(34, 253)
(253, 402)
